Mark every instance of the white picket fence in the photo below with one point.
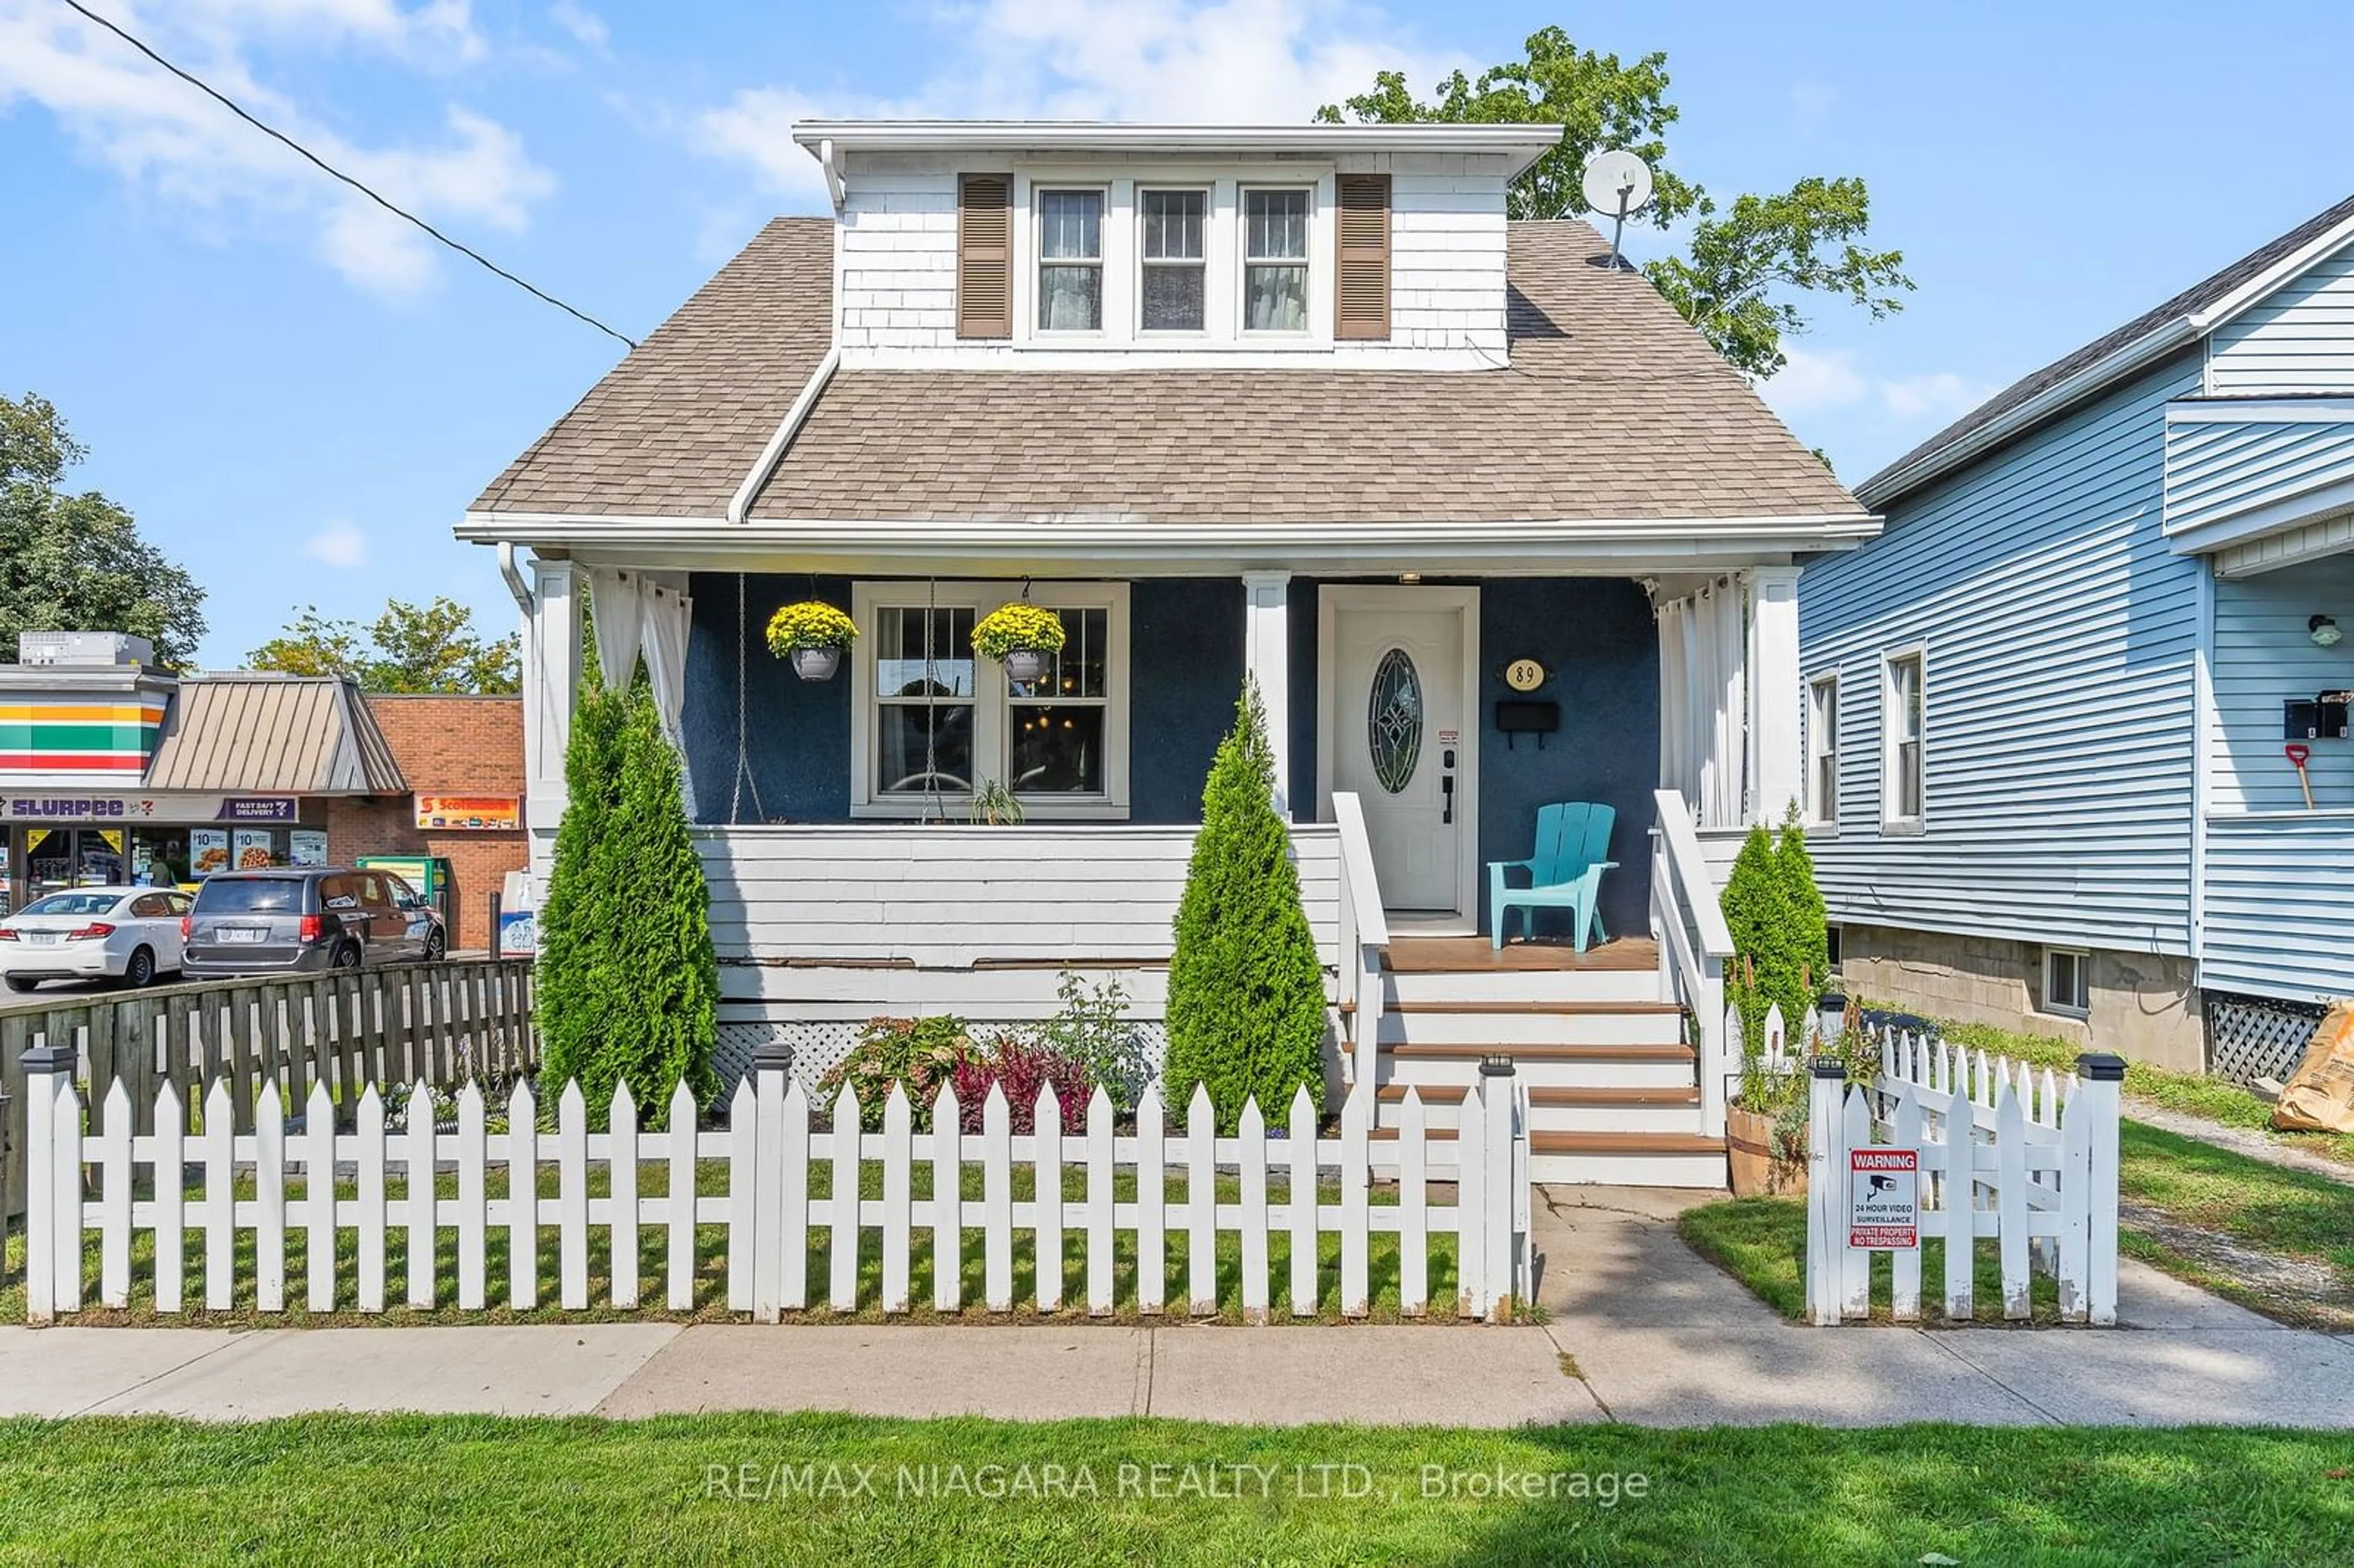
(767, 1152)
(2025, 1156)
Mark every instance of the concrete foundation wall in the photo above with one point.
(2145, 1006)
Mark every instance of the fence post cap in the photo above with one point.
(1496, 1064)
(48, 1059)
(775, 1057)
(2102, 1067)
(1827, 1067)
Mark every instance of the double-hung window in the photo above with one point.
(1173, 259)
(1275, 259)
(1822, 752)
(1903, 764)
(934, 723)
(1070, 260)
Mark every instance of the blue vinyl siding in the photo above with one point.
(2059, 632)
(2299, 340)
(2280, 906)
(2219, 470)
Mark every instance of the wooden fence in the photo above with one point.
(362, 1187)
(2027, 1157)
(441, 1022)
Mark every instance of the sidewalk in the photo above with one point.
(1642, 1330)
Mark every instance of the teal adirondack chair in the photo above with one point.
(1565, 872)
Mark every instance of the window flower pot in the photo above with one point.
(817, 664)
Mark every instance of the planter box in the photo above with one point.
(1749, 1149)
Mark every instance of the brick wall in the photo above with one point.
(451, 746)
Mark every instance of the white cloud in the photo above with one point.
(584, 24)
(339, 544)
(163, 136)
(1242, 61)
(1815, 382)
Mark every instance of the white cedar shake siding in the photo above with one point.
(2299, 340)
(897, 249)
(2059, 632)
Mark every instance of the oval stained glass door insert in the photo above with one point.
(1393, 720)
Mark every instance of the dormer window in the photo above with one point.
(1275, 259)
(1070, 260)
(1172, 253)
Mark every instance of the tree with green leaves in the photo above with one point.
(1781, 943)
(627, 984)
(1743, 262)
(407, 649)
(76, 563)
(1245, 1012)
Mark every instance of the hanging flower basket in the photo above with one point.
(1019, 636)
(812, 633)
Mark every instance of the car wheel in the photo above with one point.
(437, 947)
(141, 968)
(20, 982)
(347, 956)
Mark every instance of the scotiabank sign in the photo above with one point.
(157, 808)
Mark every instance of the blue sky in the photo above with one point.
(298, 399)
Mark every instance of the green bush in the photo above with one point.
(1246, 988)
(1781, 943)
(627, 985)
(921, 1052)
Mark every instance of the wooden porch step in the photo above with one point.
(1544, 1142)
(1452, 1053)
(1598, 1096)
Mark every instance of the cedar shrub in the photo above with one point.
(627, 985)
(1780, 941)
(1246, 1013)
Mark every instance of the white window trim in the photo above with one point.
(1222, 243)
(2045, 999)
(1817, 819)
(1207, 191)
(1318, 219)
(990, 722)
(1118, 207)
(1889, 822)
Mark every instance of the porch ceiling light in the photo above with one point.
(1409, 578)
(2324, 632)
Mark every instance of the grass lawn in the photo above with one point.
(1762, 1243)
(419, 1491)
(2191, 1094)
(711, 1276)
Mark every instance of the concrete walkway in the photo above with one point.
(1641, 1330)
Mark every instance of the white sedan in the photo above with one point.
(130, 934)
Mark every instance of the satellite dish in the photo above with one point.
(1620, 184)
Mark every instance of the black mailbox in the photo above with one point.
(2332, 715)
(2300, 719)
(1517, 717)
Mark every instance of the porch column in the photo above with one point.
(551, 683)
(1776, 755)
(1267, 657)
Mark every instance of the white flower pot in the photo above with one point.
(816, 663)
(1024, 664)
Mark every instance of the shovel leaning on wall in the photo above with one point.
(2297, 757)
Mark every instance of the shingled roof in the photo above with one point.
(1612, 408)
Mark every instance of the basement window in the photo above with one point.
(2067, 985)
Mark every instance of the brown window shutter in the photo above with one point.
(1362, 287)
(984, 256)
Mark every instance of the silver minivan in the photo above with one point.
(300, 921)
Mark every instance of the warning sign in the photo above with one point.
(1883, 1198)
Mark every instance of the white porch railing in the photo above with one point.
(1694, 946)
(774, 1181)
(1364, 938)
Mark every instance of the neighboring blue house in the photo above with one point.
(2046, 708)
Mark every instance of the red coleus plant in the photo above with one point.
(1022, 1068)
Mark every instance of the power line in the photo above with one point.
(274, 133)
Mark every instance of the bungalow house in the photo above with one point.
(2076, 721)
(1487, 523)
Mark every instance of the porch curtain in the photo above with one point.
(615, 607)
(667, 614)
(1702, 727)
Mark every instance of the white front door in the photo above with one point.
(1393, 729)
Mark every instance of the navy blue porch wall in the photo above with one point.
(1185, 667)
